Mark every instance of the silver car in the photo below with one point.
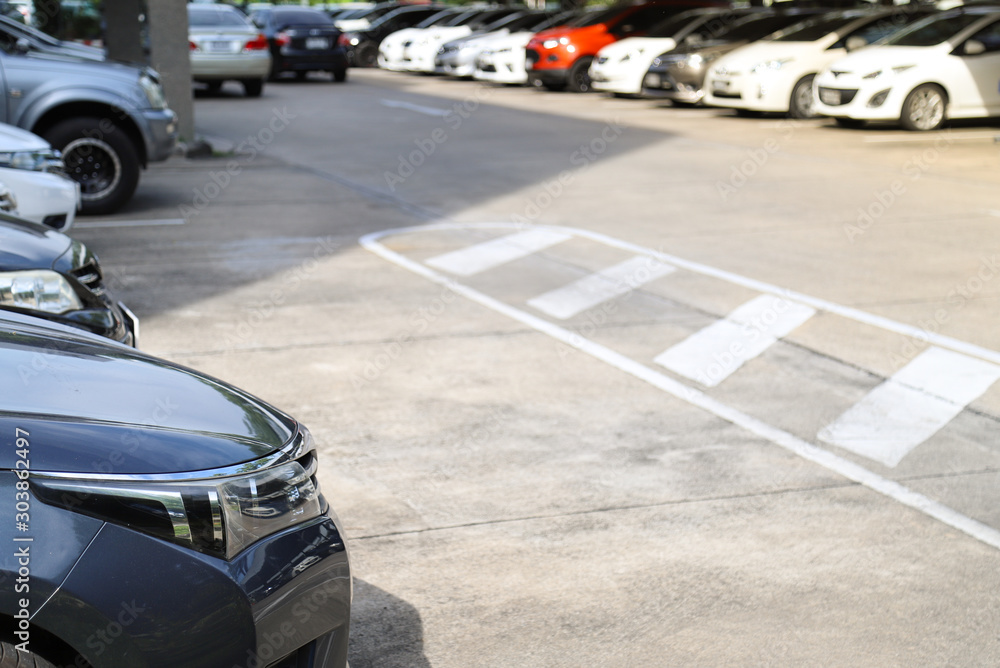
(225, 45)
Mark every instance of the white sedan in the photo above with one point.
(946, 66)
(33, 176)
(391, 50)
(619, 67)
(776, 75)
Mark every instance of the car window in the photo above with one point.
(817, 28)
(758, 27)
(436, 19)
(714, 26)
(513, 23)
(211, 17)
(989, 37)
(673, 25)
(592, 18)
(933, 30)
(880, 29)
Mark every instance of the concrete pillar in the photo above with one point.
(168, 42)
(122, 36)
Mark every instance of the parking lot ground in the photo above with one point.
(514, 500)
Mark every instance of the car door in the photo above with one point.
(975, 76)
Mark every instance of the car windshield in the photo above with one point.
(436, 19)
(514, 22)
(565, 18)
(756, 27)
(595, 17)
(817, 28)
(301, 17)
(932, 30)
(211, 17)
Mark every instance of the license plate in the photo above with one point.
(219, 47)
(831, 97)
(317, 43)
(720, 86)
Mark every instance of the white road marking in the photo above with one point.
(716, 352)
(426, 111)
(912, 406)
(779, 437)
(153, 222)
(588, 292)
(493, 253)
(994, 213)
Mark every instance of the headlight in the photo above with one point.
(633, 53)
(38, 290)
(550, 43)
(770, 66)
(506, 49)
(32, 161)
(153, 91)
(220, 516)
(695, 60)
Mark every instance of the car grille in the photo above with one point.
(728, 96)
(836, 97)
(89, 275)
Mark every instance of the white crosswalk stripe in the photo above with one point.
(496, 252)
(913, 405)
(716, 352)
(609, 283)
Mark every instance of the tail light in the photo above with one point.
(192, 46)
(259, 43)
(344, 40)
(283, 39)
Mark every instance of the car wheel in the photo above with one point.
(801, 103)
(854, 123)
(579, 76)
(340, 76)
(11, 658)
(104, 162)
(366, 55)
(924, 108)
(253, 87)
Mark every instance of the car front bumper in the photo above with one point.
(624, 78)
(858, 100)
(284, 602)
(769, 92)
(307, 61)
(160, 133)
(501, 68)
(460, 63)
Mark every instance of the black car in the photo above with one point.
(362, 46)
(46, 274)
(157, 517)
(302, 40)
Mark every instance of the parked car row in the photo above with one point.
(913, 64)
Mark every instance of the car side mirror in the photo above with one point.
(974, 47)
(854, 43)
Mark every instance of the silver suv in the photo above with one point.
(109, 119)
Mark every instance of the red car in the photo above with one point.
(560, 57)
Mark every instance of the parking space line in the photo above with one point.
(778, 437)
(912, 406)
(420, 109)
(153, 222)
(589, 291)
(718, 351)
(491, 254)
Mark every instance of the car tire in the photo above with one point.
(801, 104)
(853, 123)
(579, 76)
(924, 108)
(366, 56)
(11, 658)
(340, 76)
(104, 163)
(253, 87)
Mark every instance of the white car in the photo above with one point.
(33, 174)
(392, 48)
(776, 75)
(420, 54)
(225, 45)
(619, 67)
(458, 57)
(502, 60)
(946, 66)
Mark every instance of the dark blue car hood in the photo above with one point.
(91, 406)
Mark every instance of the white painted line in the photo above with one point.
(716, 352)
(153, 222)
(426, 111)
(588, 292)
(490, 254)
(781, 438)
(912, 406)
(994, 213)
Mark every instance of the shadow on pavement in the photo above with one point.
(386, 631)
